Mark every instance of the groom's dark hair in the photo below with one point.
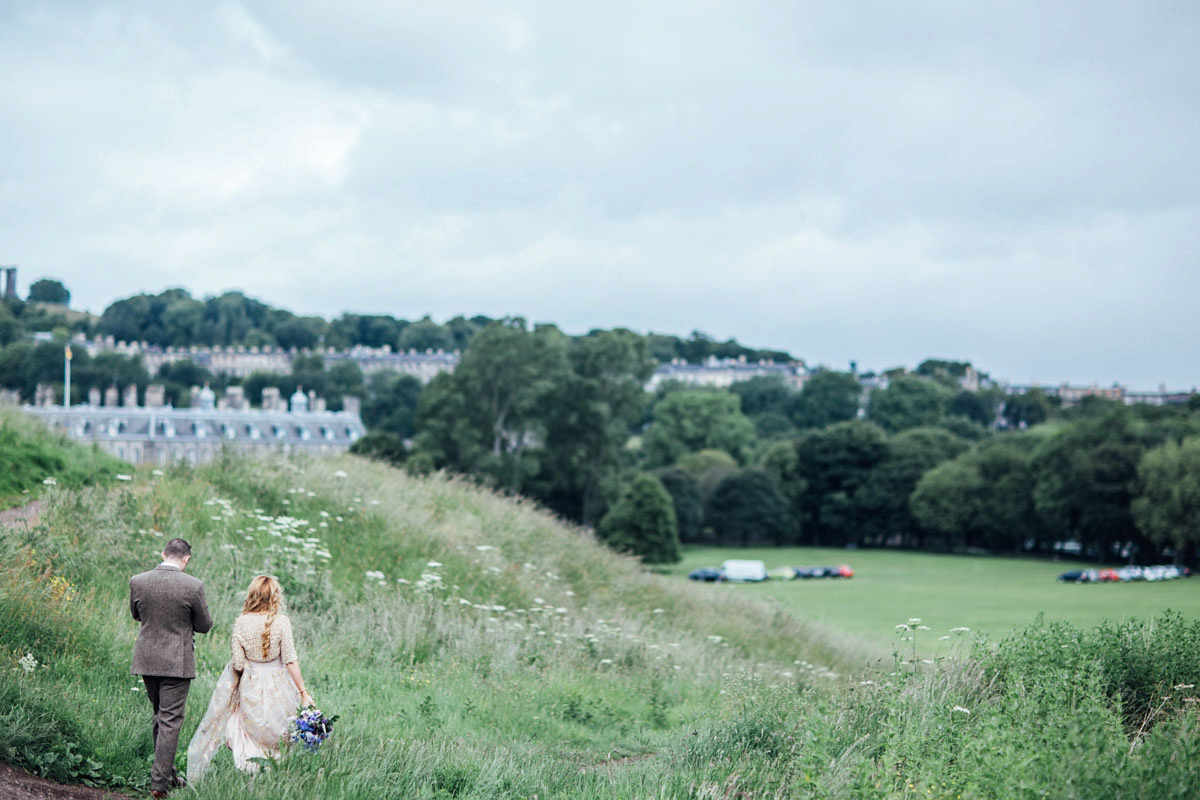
(177, 548)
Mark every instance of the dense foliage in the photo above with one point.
(910, 460)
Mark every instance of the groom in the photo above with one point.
(170, 606)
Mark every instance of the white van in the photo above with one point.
(743, 570)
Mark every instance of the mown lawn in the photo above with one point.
(987, 594)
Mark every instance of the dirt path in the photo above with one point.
(18, 785)
(27, 515)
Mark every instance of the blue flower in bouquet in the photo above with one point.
(310, 727)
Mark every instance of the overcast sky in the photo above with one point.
(1012, 183)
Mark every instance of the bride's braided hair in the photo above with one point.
(264, 594)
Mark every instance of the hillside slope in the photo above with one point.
(476, 647)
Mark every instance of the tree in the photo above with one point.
(983, 498)
(745, 506)
(685, 422)
(391, 401)
(1026, 409)
(1085, 479)
(642, 523)
(827, 397)
(908, 402)
(48, 290)
(425, 334)
(972, 406)
(298, 333)
(483, 417)
(381, 446)
(834, 463)
(590, 419)
(10, 327)
(685, 496)
(882, 500)
(1167, 508)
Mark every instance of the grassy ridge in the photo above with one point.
(30, 454)
(476, 647)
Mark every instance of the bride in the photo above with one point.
(258, 690)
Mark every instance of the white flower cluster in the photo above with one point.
(376, 576)
(28, 663)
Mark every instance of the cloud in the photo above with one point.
(1007, 184)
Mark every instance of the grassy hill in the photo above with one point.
(31, 455)
(476, 647)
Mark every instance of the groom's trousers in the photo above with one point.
(169, 698)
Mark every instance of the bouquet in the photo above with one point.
(310, 727)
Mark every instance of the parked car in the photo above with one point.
(840, 571)
(743, 570)
(1079, 576)
(707, 574)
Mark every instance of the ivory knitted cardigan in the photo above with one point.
(247, 639)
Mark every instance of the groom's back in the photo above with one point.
(170, 606)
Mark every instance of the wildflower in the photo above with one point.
(50, 482)
(156, 472)
(715, 639)
(339, 474)
(914, 621)
(960, 630)
(483, 548)
(28, 663)
(903, 627)
(434, 564)
(657, 611)
(943, 638)
(961, 710)
(124, 477)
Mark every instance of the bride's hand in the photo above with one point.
(306, 699)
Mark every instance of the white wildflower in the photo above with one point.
(339, 474)
(657, 611)
(123, 477)
(914, 620)
(961, 710)
(434, 564)
(28, 663)
(960, 630)
(50, 482)
(156, 472)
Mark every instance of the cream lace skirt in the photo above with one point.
(249, 715)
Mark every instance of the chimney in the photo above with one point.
(10, 281)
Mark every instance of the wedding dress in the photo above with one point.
(249, 711)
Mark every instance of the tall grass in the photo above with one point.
(476, 647)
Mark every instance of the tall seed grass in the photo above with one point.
(476, 647)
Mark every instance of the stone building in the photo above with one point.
(161, 435)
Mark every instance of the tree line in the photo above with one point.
(565, 420)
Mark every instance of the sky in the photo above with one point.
(1013, 184)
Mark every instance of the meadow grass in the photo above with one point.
(476, 647)
(992, 595)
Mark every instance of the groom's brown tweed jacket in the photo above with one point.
(170, 605)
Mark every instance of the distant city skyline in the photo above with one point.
(1012, 185)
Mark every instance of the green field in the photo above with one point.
(986, 594)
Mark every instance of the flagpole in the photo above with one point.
(67, 376)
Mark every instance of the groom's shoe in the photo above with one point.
(157, 795)
(178, 781)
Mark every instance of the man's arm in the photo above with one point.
(201, 619)
(133, 606)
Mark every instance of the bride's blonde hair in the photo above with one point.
(264, 594)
